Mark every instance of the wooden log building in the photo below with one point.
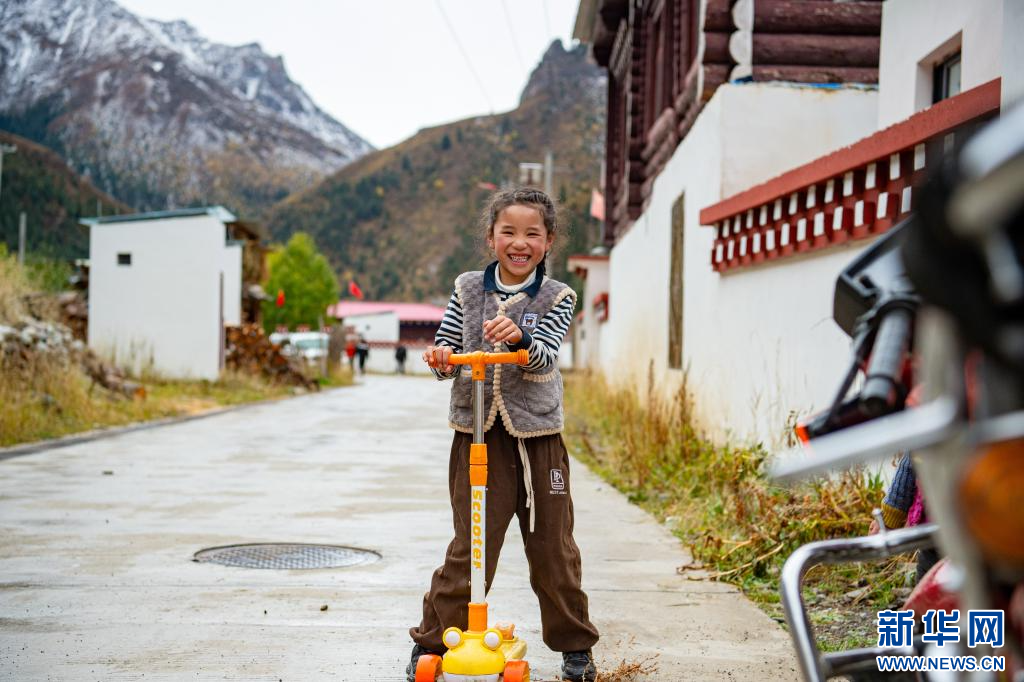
(666, 58)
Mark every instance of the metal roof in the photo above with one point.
(405, 312)
(218, 212)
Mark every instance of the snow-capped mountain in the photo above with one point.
(157, 114)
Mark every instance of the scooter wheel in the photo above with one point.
(517, 671)
(428, 668)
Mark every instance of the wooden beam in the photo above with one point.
(689, 92)
(714, 75)
(612, 12)
(663, 128)
(816, 50)
(817, 16)
(716, 48)
(687, 119)
(718, 16)
(799, 73)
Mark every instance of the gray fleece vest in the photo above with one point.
(530, 403)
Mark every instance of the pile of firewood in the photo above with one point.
(250, 351)
(74, 312)
(29, 342)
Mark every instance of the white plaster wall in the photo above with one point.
(912, 31)
(382, 361)
(565, 353)
(636, 332)
(163, 311)
(776, 349)
(232, 269)
(1013, 53)
(758, 343)
(579, 344)
(586, 335)
(381, 326)
(770, 128)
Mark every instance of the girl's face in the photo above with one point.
(520, 239)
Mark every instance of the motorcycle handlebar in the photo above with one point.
(882, 390)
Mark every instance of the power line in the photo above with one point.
(465, 55)
(512, 31)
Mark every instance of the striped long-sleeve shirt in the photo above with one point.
(542, 344)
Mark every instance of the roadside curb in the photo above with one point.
(96, 434)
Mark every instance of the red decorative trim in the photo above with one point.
(856, 192)
(600, 304)
(579, 264)
(937, 119)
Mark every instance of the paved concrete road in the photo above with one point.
(96, 541)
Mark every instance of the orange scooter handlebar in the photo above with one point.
(479, 359)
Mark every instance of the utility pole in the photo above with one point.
(604, 195)
(21, 238)
(549, 168)
(5, 149)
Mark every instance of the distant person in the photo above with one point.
(400, 353)
(350, 353)
(362, 351)
(512, 304)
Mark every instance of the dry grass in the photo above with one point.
(629, 671)
(739, 526)
(50, 399)
(47, 395)
(15, 287)
(338, 375)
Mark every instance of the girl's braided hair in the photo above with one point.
(519, 196)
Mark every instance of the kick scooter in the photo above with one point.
(480, 653)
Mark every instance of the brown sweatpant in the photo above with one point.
(553, 556)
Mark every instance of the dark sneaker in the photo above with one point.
(417, 651)
(578, 666)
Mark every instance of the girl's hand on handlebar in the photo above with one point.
(436, 357)
(502, 329)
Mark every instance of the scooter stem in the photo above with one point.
(478, 479)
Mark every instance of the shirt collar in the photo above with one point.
(491, 283)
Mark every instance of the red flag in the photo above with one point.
(280, 298)
(354, 289)
(596, 204)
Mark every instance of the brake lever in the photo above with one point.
(914, 429)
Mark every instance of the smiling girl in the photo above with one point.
(512, 305)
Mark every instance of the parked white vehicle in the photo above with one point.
(311, 346)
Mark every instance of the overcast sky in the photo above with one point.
(386, 68)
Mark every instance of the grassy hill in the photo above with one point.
(402, 221)
(37, 180)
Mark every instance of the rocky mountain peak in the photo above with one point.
(564, 73)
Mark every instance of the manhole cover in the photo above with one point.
(286, 556)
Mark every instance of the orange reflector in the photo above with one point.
(801, 433)
(477, 617)
(991, 498)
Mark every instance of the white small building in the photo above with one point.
(162, 286)
(385, 325)
(593, 310)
